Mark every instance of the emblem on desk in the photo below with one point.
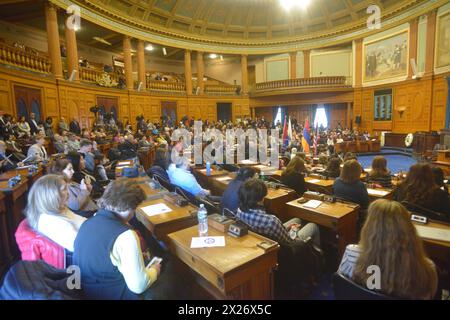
(209, 240)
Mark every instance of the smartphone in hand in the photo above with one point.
(155, 260)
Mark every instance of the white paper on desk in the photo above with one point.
(247, 162)
(433, 233)
(377, 192)
(156, 209)
(313, 181)
(125, 163)
(207, 242)
(312, 204)
(224, 178)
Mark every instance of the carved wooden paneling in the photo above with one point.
(338, 114)
(440, 92)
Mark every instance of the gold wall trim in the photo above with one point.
(148, 32)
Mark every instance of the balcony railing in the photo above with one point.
(301, 82)
(222, 89)
(97, 76)
(166, 86)
(21, 58)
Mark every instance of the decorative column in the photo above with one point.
(200, 72)
(72, 53)
(188, 71)
(244, 73)
(431, 33)
(141, 63)
(128, 62)
(413, 34)
(293, 65)
(358, 63)
(306, 63)
(54, 51)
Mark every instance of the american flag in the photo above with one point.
(315, 140)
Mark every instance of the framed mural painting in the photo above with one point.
(443, 41)
(386, 58)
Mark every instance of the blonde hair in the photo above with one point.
(351, 171)
(390, 241)
(45, 196)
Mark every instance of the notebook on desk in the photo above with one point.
(433, 233)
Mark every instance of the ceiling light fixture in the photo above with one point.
(213, 56)
(290, 4)
(149, 47)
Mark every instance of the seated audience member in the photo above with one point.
(15, 148)
(350, 156)
(438, 174)
(79, 199)
(108, 251)
(292, 176)
(160, 165)
(59, 143)
(37, 152)
(180, 175)
(419, 188)
(251, 211)
(333, 169)
(349, 186)
(389, 240)
(5, 162)
(47, 213)
(86, 151)
(79, 168)
(230, 198)
(380, 174)
(127, 148)
(23, 128)
(72, 143)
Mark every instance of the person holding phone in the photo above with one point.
(108, 250)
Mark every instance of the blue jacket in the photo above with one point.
(37, 280)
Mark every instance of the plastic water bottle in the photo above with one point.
(262, 176)
(208, 168)
(202, 221)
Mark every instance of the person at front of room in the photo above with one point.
(349, 186)
(251, 211)
(108, 251)
(390, 241)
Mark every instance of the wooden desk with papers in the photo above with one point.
(339, 217)
(239, 270)
(161, 224)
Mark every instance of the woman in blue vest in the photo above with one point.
(108, 251)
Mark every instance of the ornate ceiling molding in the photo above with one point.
(156, 34)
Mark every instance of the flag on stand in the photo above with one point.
(315, 140)
(289, 131)
(285, 132)
(306, 139)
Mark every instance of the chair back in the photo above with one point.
(187, 195)
(209, 205)
(430, 214)
(346, 289)
(166, 184)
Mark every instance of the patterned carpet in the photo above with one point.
(395, 163)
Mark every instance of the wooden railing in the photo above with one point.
(222, 89)
(22, 59)
(166, 86)
(93, 75)
(301, 82)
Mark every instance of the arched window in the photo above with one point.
(321, 118)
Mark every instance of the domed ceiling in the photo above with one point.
(240, 23)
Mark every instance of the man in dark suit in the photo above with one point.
(75, 127)
(128, 148)
(34, 128)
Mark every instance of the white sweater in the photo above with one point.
(62, 228)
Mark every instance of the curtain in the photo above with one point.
(328, 114)
(35, 108)
(22, 109)
(274, 114)
(284, 112)
(447, 112)
(313, 111)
